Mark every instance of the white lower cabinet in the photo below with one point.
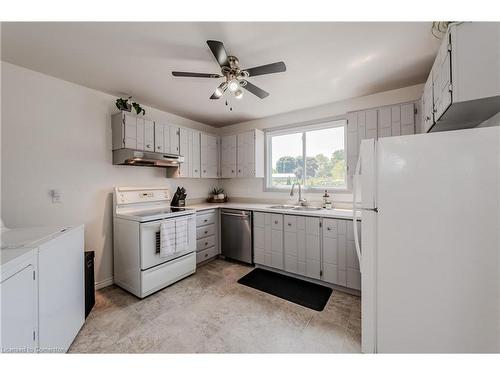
(340, 261)
(313, 247)
(277, 241)
(263, 239)
(317, 248)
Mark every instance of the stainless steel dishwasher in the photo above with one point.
(236, 235)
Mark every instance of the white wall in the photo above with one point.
(492, 121)
(246, 188)
(57, 135)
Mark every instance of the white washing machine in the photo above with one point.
(42, 288)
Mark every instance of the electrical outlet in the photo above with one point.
(55, 195)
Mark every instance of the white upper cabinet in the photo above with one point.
(174, 139)
(385, 122)
(149, 135)
(242, 155)
(209, 156)
(388, 121)
(159, 138)
(407, 119)
(166, 138)
(428, 105)
(140, 131)
(463, 88)
(186, 150)
(228, 156)
(196, 154)
(130, 131)
(371, 124)
(442, 88)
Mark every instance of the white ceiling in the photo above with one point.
(326, 62)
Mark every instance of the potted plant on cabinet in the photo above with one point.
(128, 104)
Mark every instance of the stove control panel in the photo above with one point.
(131, 195)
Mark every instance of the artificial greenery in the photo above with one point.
(138, 108)
(217, 190)
(127, 104)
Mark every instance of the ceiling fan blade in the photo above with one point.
(267, 69)
(219, 52)
(257, 91)
(198, 75)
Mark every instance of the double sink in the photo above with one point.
(295, 208)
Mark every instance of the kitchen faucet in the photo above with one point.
(301, 202)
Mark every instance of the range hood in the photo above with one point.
(125, 156)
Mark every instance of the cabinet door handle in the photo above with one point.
(275, 221)
(328, 228)
(206, 243)
(289, 224)
(206, 255)
(206, 231)
(205, 220)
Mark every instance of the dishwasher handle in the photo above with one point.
(246, 216)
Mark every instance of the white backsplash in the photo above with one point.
(252, 190)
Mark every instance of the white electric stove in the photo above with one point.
(138, 265)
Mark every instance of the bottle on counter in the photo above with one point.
(327, 203)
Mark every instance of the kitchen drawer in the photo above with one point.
(290, 223)
(206, 254)
(277, 222)
(167, 273)
(205, 218)
(205, 231)
(205, 243)
(261, 219)
(342, 226)
(330, 228)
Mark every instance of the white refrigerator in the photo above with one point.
(430, 251)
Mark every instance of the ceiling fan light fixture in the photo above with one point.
(220, 90)
(233, 85)
(238, 94)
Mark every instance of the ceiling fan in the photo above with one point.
(235, 77)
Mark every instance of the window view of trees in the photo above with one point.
(321, 170)
(325, 165)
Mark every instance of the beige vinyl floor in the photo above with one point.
(209, 312)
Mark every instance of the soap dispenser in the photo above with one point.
(327, 203)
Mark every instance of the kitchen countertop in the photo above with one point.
(264, 207)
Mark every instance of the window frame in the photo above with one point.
(302, 128)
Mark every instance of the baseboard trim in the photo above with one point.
(103, 283)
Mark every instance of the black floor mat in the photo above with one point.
(298, 291)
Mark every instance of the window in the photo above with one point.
(317, 149)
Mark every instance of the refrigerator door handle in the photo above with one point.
(355, 210)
